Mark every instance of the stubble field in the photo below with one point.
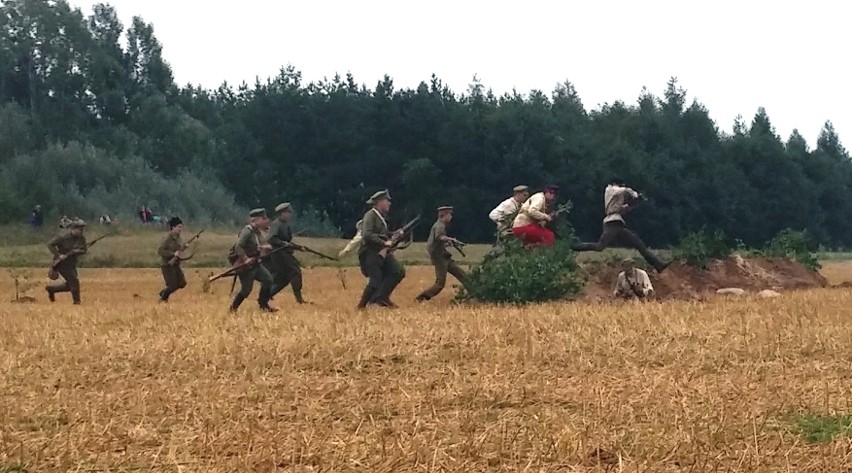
(125, 384)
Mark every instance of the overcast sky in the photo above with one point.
(732, 56)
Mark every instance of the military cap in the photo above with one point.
(445, 208)
(175, 221)
(78, 223)
(385, 194)
(283, 207)
(258, 213)
(551, 187)
(521, 189)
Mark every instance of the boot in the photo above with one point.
(422, 298)
(268, 309)
(50, 295)
(365, 297)
(164, 295)
(238, 299)
(75, 295)
(387, 303)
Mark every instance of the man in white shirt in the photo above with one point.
(530, 223)
(633, 283)
(504, 214)
(619, 200)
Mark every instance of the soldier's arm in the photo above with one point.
(164, 251)
(499, 213)
(275, 239)
(242, 242)
(83, 247)
(53, 245)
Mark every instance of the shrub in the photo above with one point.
(793, 245)
(699, 248)
(517, 275)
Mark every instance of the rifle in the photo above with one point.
(397, 238)
(239, 268)
(458, 245)
(313, 252)
(53, 274)
(175, 259)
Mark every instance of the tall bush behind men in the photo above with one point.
(248, 251)
(440, 257)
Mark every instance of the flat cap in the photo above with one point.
(77, 223)
(257, 213)
(283, 207)
(445, 208)
(385, 194)
(551, 187)
(175, 221)
(521, 188)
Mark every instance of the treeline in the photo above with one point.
(327, 145)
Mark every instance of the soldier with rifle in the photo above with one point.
(67, 246)
(170, 252)
(436, 246)
(283, 265)
(530, 224)
(245, 257)
(376, 253)
(620, 200)
(504, 214)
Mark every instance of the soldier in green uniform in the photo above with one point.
(377, 263)
(169, 252)
(67, 247)
(436, 246)
(283, 265)
(248, 250)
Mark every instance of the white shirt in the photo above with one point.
(355, 242)
(504, 214)
(614, 200)
(533, 211)
(635, 283)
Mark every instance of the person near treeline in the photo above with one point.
(530, 224)
(170, 255)
(376, 257)
(632, 282)
(620, 200)
(283, 265)
(37, 217)
(248, 251)
(441, 258)
(67, 246)
(504, 214)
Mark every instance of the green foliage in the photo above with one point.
(816, 428)
(315, 223)
(793, 245)
(517, 275)
(699, 248)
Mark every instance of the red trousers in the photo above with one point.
(534, 234)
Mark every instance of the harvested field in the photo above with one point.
(125, 384)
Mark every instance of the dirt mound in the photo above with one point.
(681, 281)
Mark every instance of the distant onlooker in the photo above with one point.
(143, 215)
(105, 219)
(37, 217)
(64, 221)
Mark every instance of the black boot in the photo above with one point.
(365, 297)
(75, 296)
(236, 303)
(164, 295)
(50, 296)
(422, 298)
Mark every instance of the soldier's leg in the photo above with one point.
(279, 278)
(632, 240)
(169, 278)
(610, 233)
(263, 276)
(441, 265)
(374, 269)
(393, 275)
(72, 280)
(294, 273)
(246, 283)
(181, 278)
(458, 273)
(63, 270)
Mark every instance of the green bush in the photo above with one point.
(516, 275)
(793, 245)
(699, 248)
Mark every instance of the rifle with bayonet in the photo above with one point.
(53, 274)
(396, 240)
(176, 259)
(311, 251)
(240, 267)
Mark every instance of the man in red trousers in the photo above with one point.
(530, 224)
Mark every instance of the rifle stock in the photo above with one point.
(400, 235)
(239, 268)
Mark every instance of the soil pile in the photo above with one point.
(681, 281)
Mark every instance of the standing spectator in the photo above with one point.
(105, 219)
(149, 215)
(64, 221)
(36, 217)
